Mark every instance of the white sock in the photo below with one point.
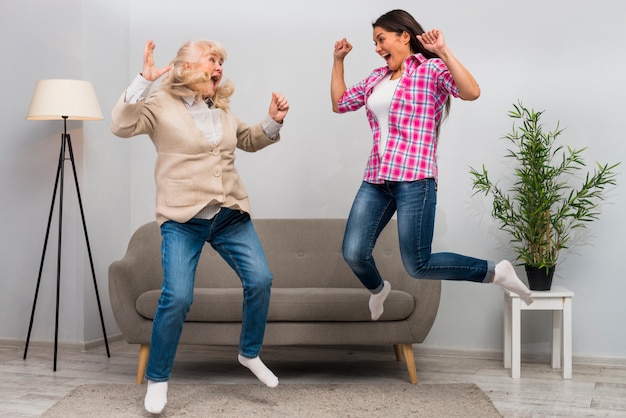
(156, 397)
(507, 278)
(260, 370)
(377, 301)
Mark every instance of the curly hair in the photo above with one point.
(180, 77)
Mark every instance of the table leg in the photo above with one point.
(507, 331)
(516, 339)
(557, 332)
(567, 338)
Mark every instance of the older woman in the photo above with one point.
(199, 195)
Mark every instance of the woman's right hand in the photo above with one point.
(337, 83)
(342, 48)
(150, 72)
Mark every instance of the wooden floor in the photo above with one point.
(29, 387)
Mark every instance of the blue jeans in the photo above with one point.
(415, 203)
(232, 235)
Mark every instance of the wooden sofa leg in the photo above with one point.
(398, 350)
(144, 353)
(409, 359)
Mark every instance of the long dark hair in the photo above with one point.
(399, 21)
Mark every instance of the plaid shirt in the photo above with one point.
(415, 111)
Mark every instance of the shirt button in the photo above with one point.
(216, 152)
(217, 173)
(221, 198)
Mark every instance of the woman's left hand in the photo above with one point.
(279, 106)
(432, 40)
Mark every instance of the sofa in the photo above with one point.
(316, 299)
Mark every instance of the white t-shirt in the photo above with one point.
(379, 102)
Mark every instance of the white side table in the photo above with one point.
(559, 301)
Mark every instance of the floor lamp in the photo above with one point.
(64, 100)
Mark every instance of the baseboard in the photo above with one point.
(99, 342)
(499, 355)
(418, 349)
(76, 346)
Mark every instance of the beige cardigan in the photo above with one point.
(190, 171)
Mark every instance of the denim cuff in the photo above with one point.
(491, 271)
(378, 289)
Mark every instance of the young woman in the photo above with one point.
(200, 197)
(405, 102)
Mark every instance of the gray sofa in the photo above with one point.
(316, 299)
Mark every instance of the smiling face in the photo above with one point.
(209, 63)
(394, 48)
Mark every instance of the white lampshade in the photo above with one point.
(56, 99)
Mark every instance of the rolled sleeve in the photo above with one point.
(270, 127)
(138, 90)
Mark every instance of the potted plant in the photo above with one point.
(542, 207)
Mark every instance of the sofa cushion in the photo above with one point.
(287, 305)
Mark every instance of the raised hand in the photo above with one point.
(279, 106)
(432, 40)
(342, 48)
(150, 72)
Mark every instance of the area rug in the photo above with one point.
(297, 400)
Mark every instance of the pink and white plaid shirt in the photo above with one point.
(415, 110)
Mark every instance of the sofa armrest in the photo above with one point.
(137, 272)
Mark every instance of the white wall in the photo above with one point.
(61, 39)
(559, 56)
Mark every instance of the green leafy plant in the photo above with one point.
(542, 208)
